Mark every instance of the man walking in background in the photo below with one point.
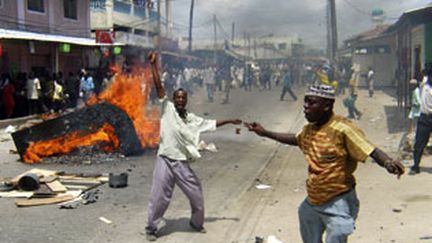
(287, 82)
(370, 81)
(424, 123)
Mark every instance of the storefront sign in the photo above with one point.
(65, 48)
(98, 5)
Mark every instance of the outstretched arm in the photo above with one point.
(286, 138)
(231, 121)
(155, 72)
(391, 165)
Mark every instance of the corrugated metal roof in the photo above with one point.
(413, 17)
(27, 35)
(370, 34)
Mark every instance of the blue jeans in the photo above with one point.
(336, 217)
(210, 90)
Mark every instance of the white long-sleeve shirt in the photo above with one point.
(179, 137)
(426, 99)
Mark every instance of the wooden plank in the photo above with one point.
(76, 187)
(48, 179)
(80, 182)
(44, 191)
(102, 179)
(17, 194)
(43, 201)
(75, 193)
(56, 186)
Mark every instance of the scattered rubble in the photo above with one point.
(43, 187)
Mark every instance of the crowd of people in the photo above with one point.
(36, 93)
(257, 76)
(331, 205)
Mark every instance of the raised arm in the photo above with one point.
(155, 72)
(286, 138)
(391, 165)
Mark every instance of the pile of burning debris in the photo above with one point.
(115, 121)
(43, 187)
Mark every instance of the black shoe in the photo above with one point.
(151, 236)
(414, 170)
(198, 229)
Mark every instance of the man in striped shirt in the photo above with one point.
(332, 146)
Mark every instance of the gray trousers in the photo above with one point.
(167, 173)
(336, 217)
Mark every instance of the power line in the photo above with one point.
(356, 8)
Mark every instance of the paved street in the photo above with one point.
(391, 210)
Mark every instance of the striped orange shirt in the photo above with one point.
(332, 152)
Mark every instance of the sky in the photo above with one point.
(303, 18)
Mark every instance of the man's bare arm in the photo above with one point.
(285, 138)
(391, 165)
(155, 72)
(231, 121)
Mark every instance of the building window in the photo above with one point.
(1, 3)
(382, 49)
(70, 9)
(361, 50)
(282, 46)
(36, 5)
(122, 7)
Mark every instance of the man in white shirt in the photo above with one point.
(178, 147)
(370, 81)
(424, 123)
(33, 88)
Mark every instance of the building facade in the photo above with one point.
(44, 36)
(413, 32)
(131, 22)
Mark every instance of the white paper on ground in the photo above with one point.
(273, 239)
(105, 220)
(262, 186)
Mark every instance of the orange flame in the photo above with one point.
(128, 92)
(69, 142)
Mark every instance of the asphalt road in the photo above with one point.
(226, 175)
(392, 210)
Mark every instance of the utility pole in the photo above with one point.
(333, 31)
(255, 48)
(233, 32)
(215, 37)
(191, 24)
(159, 28)
(249, 45)
(168, 15)
(159, 33)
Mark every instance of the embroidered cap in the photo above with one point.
(323, 91)
(413, 81)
